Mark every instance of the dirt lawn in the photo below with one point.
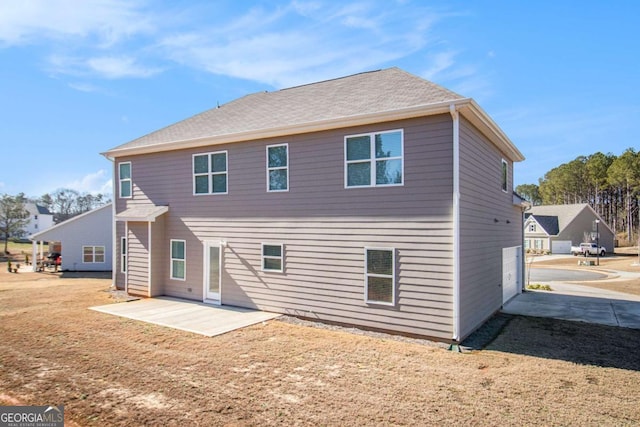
(112, 371)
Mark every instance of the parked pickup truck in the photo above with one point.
(586, 249)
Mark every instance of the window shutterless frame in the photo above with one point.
(380, 276)
(178, 251)
(277, 168)
(93, 254)
(123, 254)
(125, 187)
(505, 175)
(374, 159)
(210, 173)
(272, 257)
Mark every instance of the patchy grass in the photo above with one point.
(539, 287)
(111, 371)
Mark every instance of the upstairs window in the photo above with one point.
(124, 180)
(505, 175)
(278, 167)
(210, 173)
(374, 159)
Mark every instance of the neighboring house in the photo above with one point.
(379, 200)
(555, 228)
(40, 219)
(86, 241)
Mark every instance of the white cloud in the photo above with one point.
(302, 43)
(94, 183)
(113, 67)
(36, 21)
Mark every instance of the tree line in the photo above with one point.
(63, 203)
(610, 184)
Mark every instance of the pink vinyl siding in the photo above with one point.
(489, 222)
(323, 226)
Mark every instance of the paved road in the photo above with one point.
(554, 274)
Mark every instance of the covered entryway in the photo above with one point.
(144, 235)
(511, 272)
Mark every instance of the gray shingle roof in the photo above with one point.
(564, 213)
(548, 223)
(360, 99)
(370, 92)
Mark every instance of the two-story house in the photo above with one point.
(40, 218)
(379, 200)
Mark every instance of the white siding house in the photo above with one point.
(40, 219)
(86, 240)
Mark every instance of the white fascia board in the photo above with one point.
(347, 121)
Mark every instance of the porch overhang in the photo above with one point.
(142, 213)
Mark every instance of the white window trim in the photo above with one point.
(367, 275)
(93, 254)
(263, 257)
(123, 254)
(372, 159)
(121, 180)
(209, 173)
(171, 276)
(504, 163)
(277, 168)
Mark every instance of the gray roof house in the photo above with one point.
(40, 218)
(86, 240)
(378, 200)
(555, 228)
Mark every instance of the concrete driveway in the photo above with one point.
(579, 303)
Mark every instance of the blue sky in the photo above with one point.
(80, 77)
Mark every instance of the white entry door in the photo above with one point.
(511, 272)
(212, 271)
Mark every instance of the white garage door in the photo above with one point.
(561, 247)
(511, 272)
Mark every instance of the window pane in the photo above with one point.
(278, 156)
(272, 264)
(389, 172)
(219, 183)
(380, 262)
(87, 258)
(177, 250)
(278, 179)
(504, 175)
(359, 174)
(380, 289)
(272, 250)
(219, 162)
(178, 269)
(99, 258)
(202, 184)
(125, 188)
(359, 148)
(388, 145)
(125, 170)
(201, 164)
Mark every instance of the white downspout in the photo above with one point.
(455, 115)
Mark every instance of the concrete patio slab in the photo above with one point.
(190, 316)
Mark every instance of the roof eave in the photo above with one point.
(321, 125)
(480, 119)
